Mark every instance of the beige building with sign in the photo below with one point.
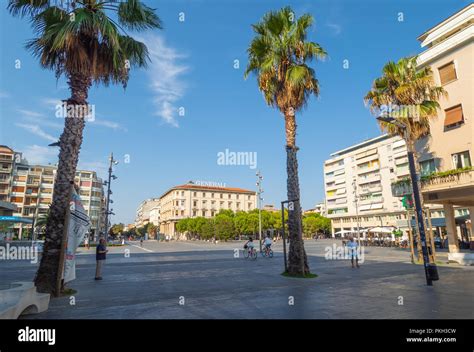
(193, 200)
(449, 51)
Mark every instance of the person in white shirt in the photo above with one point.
(267, 242)
(353, 246)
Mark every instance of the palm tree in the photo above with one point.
(84, 43)
(279, 55)
(408, 95)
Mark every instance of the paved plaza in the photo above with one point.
(202, 280)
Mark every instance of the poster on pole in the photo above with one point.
(79, 225)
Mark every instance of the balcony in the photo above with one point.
(451, 179)
(439, 181)
(368, 179)
(369, 190)
(376, 200)
(401, 188)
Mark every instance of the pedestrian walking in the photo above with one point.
(100, 256)
(86, 242)
(353, 247)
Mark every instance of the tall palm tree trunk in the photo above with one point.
(70, 145)
(297, 260)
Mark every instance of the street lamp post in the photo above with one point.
(431, 271)
(259, 200)
(112, 162)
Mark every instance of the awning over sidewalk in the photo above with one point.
(16, 219)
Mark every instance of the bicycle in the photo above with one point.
(267, 252)
(250, 253)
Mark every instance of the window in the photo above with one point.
(195, 194)
(427, 167)
(447, 73)
(453, 116)
(461, 160)
(203, 194)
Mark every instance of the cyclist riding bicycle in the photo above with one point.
(268, 243)
(249, 245)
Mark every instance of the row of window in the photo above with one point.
(459, 160)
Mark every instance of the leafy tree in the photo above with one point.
(116, 229)
(227, 212)
(207, 230)
(182, 225)
(279, 55)
(241, 222)
(224, 226)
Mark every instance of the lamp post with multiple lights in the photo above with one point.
(259, 200)
(109, 211)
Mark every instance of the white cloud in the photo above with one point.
(29, 113)
(39, 119)
(165, 73)
(336, 28)
(52, 103)
(109, 124)
(36, 154)
(36, 130)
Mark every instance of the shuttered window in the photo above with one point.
(454, 116)
(447, 73)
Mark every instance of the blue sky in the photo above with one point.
(193, 67)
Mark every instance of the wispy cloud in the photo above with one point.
(4, 94)
(51, 103)
(29, 113)
(36, 154)
(336, 28)
(38, 131)
(108, 124)
(39, 119)
(165, 72)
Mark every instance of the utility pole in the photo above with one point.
(259, 200)
(108, 212)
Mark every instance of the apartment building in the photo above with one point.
(319, 208)
(358, 182)
(193, 200)
(30, 189)
(7, 160)
(449, 51)
(155, 215)
(143, 212)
